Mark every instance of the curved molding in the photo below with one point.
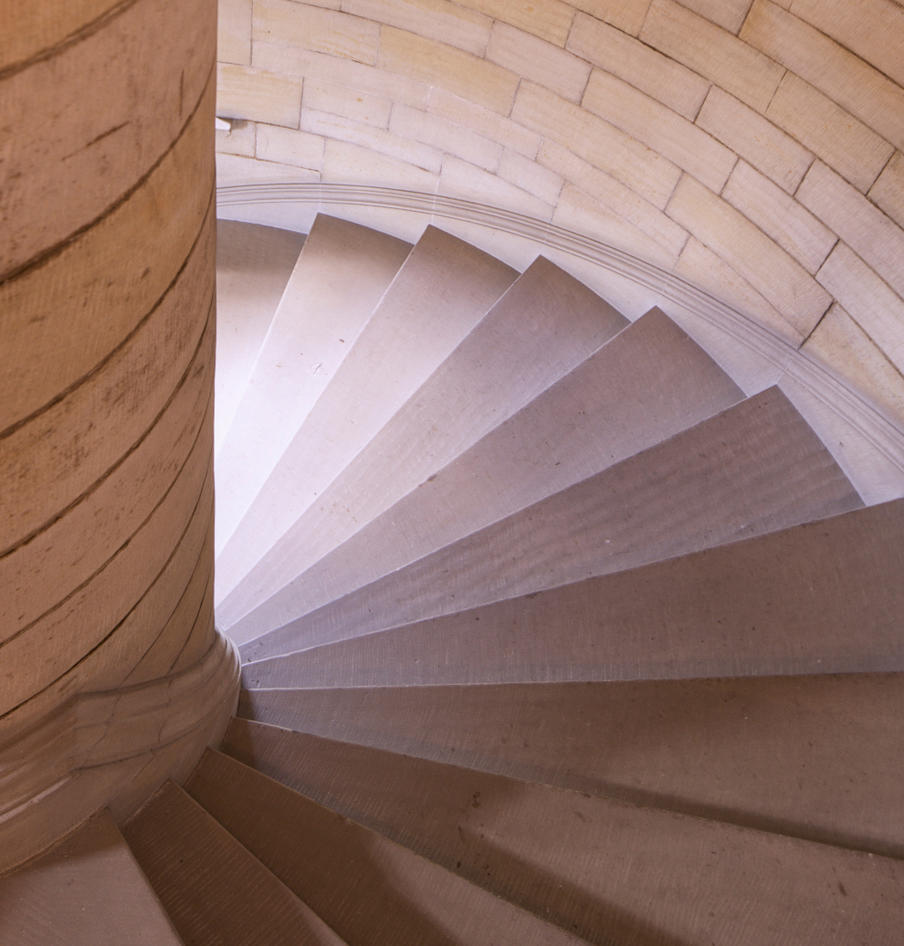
(111, 748)
(883, 433)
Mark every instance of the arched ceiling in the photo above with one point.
(753, 148)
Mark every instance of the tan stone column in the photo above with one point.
(112, 676)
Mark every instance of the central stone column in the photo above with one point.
(112, 676)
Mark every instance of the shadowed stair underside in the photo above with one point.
(551, 635)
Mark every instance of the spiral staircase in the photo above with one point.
(549, 635)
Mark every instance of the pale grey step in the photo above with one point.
(372, 891)
(824, 597)
(253, 264)
(542, 328)
(86, 890)
(320, 315)
(595, 865)
(650, 382)
(817, 757)
(755, 468)
(213, 888)
(441, 292)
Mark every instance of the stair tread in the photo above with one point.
(650, 382)
(253, 264)
(817, 757)
(542, 328)
(370, 889)
(319, 316)
(213, 888)
(590, 655)
(442, 290)
(754, 468)
(88, 889)
(596, 864)
(783, 603)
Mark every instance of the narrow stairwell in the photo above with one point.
(549, 635)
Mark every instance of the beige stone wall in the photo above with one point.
(107, 337)
(753, 148)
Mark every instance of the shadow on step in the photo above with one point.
(564, 904)
(488, 830)
(812, 757)
(365, 887)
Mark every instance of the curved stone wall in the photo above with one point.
(112, 676)
(753, 148)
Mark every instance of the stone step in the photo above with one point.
(253, 266)
(647, 384)
(823, 597)
(213, 888)
(755, 468)
(88, 889)
(816, 757)
(368, 888)
(542, 328)
(596, 865)
(320, 315)
(441, 292)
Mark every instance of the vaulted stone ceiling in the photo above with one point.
(754, 149)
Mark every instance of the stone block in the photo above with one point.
(706, 269)
(235, 169)
(445, 136)
(657, 126)
(254, 95)
(873, 29)
(842, 76)
(625, 15)
(576, 210)
(238, 140)
(617, 198)
(320, 67)
(715, 53)
(598, 142)
(433, 63)
(379, 140)
(287, 146)
(537, 60)
(888, 191)
(833, 134)
(875, 238)
(234, 31)
(483, 121)
(350, 163)
(729, 14)
(550, 20)
(283, 23)
(449, 23)
(646, 69)
(529, 176)
(779, 216)
(765, 265)
(350, 103)
(460, 179)
(869, 300)
(755, 139)
(841, 343)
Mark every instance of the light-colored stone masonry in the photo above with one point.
(752, 147)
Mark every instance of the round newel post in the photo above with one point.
(112, 676)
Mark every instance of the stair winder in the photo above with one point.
(549, 634)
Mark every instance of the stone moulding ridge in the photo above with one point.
(821, 382)
(111, 747)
